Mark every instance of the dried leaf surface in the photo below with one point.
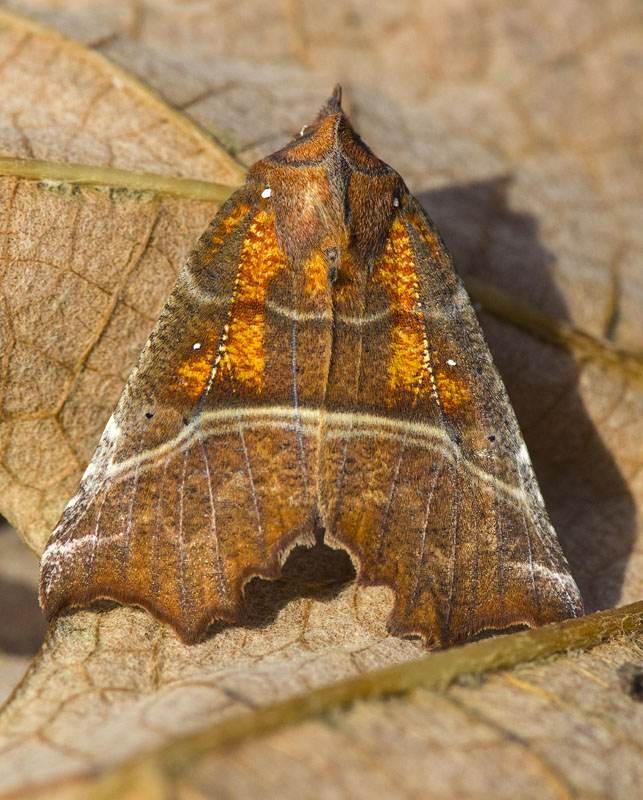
(565, 729)
(496, 117)
(85, 270)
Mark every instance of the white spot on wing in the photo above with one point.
(266, 192)
(73, 501)
(196, 345)
(523, 455)
(565, 581)
(112, 430)
(451, 362)
(92, 468)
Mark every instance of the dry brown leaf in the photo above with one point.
(536, 732)
(496, 115)
(565, 727)
(85, 269)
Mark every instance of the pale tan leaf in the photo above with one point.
(86, 267)
(559, 730)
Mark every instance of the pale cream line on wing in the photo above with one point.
(337, 424)
(298, 316)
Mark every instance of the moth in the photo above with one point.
(317, 365)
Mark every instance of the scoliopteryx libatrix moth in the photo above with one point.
(317, 363)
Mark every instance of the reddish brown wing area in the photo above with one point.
(205, 475)
(425, 477)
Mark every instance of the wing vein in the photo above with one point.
(96, 535)
(420, 564)
(341, 473)
(255, 500)
(532, 572)
(154, 583)
(295, 400)
(220, 573)
(130, 510)
(454, 548)
(181, 531)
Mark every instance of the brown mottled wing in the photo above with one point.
(425, 477)
(205, 474)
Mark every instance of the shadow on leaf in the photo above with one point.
(317, 571)
(22, 624)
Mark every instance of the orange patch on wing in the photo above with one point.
(409, 367)
(406, 360)
(453, 391)
(236, 216)
(238, 355)
(241, 353)
(194, 373)
(427, 236)
(316, 276)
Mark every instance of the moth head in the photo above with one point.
(307, 211)
(327, 183)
